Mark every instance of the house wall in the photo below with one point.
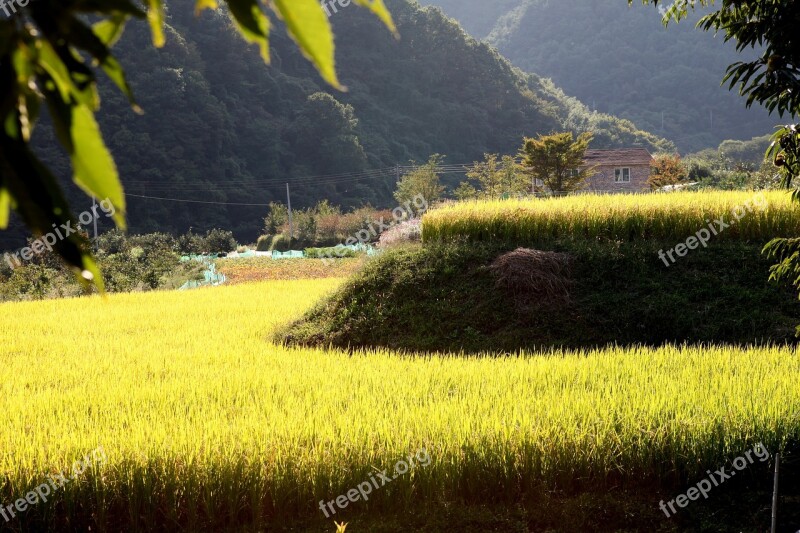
(603, 180)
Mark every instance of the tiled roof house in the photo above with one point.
(620, 170)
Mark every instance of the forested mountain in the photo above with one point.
(621, 60)
(220, 126)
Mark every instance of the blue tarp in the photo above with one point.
(210, 275)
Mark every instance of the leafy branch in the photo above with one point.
(49, 54)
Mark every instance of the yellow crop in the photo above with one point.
(204, 421)
(674, 216)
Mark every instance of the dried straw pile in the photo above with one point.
(534, 278)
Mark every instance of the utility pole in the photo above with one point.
(662, 121)
(397, 172)
(774, 527)
(289, 205)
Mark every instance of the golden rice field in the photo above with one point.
(750, 215)
(204, 421)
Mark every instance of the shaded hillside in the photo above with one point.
(622, 61)
(220, 126)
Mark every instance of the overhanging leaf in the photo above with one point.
(155, 17)
(5, 206)
(110, 30)
(380, 10)
(253, 24)
(95, 171)
(310, 28)
(200, 5)
(93, 166)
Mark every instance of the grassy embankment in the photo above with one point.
(443, 296)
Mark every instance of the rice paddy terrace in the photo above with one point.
(206, 423)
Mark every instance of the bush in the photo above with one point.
(191, 244)
(218, 240)
(448, 298)
(112, 242)
(154, 243)
(280, 243)
(264, 243)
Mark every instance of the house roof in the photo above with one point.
(618, 157)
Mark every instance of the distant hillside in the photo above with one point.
(222, 127)
(622, 61)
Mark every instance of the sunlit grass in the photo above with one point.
(203, 419)
(675, 216)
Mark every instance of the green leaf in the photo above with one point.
(94, 40)
(380, 10)
(110, 30)
(5, 207)
(95, 171)
(59, 74)
(253, 24)
(310, 28)
(200, 5)
(155, 16)
(93, 167)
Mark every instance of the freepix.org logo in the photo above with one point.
(59, 233)
(331, 7)
(8, 8)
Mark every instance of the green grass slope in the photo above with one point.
(443, 295)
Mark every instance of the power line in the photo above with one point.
(306, 180)
(281, 181)
(236, 185)
(227, 188)
(239, 185)
(193, 201)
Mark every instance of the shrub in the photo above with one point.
(218, 240)
(280, 243)
(264, 243)
(112, 242)
(191, 243)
